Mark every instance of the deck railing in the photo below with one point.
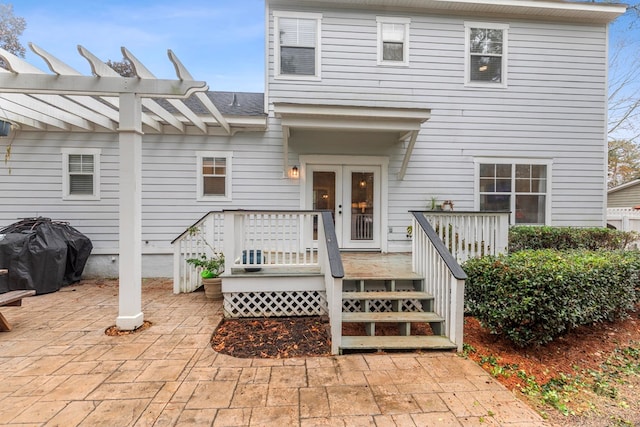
(195, 241)
(471, 234)
(444, 278)
(269, 239)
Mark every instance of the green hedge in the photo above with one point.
(564, 238)
(530, 297)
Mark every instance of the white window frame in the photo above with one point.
(405, 45)
(66, 152)
(467, 54)
(277, 14)
(228, 156)
(514, 161)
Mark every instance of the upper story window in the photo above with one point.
(80, 174)
(486, 53)
(393, 40)
(519, 186)
(297, 44)
(214, 175)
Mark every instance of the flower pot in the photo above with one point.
(5, 128)
(213, 288)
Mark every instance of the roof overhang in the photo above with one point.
(406, 122)
(552, 10)
(623, 186)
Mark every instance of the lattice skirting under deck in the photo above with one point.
(275, 304)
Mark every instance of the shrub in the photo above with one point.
(530, 297)
(564, 238)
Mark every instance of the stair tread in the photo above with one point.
(434, 342)
(397, 295)
(365, 277)
(391, 316)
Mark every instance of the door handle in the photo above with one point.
(339, 209)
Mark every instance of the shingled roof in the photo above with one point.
(229, 103)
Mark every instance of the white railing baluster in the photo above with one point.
(186, 277)
(471, 234)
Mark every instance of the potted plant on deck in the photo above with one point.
(212, 266)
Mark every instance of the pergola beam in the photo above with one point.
(109, 86)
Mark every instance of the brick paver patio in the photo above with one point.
(58, 368)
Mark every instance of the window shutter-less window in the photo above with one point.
(393, 42)
(81, 174)
(214, 171)
(485, 47)
(298, 46)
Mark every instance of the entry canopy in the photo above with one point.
(69, 101)
(406, 122)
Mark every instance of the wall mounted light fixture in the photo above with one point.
(294, 173)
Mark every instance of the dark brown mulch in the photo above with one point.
(273, 338)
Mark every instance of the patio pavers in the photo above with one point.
(57, 367)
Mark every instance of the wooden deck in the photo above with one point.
(370, 265)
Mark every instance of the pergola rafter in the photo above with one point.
(46, 101)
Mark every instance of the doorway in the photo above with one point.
(353, 195)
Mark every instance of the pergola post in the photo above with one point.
(130, 213)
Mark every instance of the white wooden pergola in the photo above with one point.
(105, 101)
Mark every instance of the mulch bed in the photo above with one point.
(284, 337)
(273, 338)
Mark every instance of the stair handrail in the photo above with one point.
(331, 242)
(443, 277)
(333, 270)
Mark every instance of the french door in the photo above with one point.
(352, 193)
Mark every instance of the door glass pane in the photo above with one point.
(362, 205)
(324, 195)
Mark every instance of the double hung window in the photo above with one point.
(297, 44)
(486, 53)
(214, 175)
(519, 187)
(80, 174)
(393, 40)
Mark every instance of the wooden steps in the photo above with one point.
(384, 300)
(387, 295)
(425, 342)
(391, 317)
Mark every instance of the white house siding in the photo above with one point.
(31, 185)
(553, 107)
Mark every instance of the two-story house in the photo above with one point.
(372, 109)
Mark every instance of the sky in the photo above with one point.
(218, 41)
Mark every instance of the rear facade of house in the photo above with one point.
(372, 109)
